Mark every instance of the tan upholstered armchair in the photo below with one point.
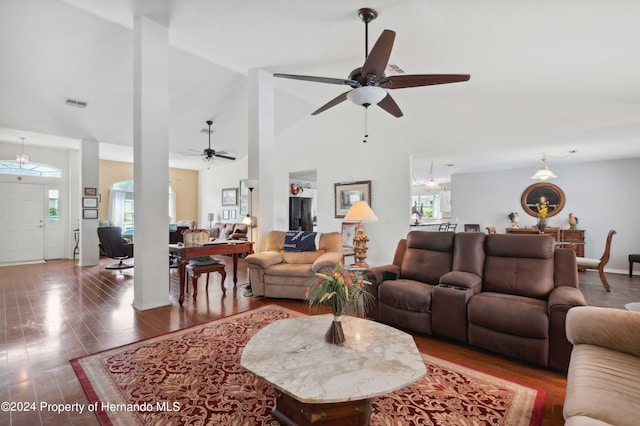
(284, 274)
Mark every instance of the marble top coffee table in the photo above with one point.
(315, 380)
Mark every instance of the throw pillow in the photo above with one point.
(295, 241)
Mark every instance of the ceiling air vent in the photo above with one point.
(75, 103)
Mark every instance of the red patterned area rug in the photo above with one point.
(193, 376)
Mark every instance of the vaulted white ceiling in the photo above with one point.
(546, 76)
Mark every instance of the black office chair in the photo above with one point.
(115, 246)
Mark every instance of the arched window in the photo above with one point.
(12, 167)
(121, 205)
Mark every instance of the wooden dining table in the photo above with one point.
(184, 252)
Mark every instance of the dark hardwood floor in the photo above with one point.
(56, 311)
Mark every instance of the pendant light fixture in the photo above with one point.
(544, 173)
(432, 185)
(21, 157)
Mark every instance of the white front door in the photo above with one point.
(21, 222)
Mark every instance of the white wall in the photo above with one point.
(211, 182)
(602, 195)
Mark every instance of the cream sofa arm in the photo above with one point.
(326, 260)
(264, 259)
(605, 327)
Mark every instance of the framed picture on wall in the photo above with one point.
(225, 214)
(233, 214)
(347, 193)
(90, 213)
(230, 197)
(89, 203)
(90, 192)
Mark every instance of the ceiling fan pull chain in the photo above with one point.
(366, 132)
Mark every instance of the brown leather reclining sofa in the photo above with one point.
(505, 293)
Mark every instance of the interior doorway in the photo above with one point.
(303, 200)
(22, 216)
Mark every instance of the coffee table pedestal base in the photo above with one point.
(291, 412)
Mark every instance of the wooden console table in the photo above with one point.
(554, 232)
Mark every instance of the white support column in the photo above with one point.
(261, 158)
(89, 178)
(151, 164)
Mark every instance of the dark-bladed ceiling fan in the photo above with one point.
(368, 83)
(209, 153)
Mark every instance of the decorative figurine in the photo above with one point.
(573, 221)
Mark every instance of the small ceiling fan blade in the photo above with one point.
(417, 80)
(379, 56)
(329, 80)
(333, 102)
(389, 105)
(224, 155)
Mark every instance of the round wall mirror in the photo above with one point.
(539, 192)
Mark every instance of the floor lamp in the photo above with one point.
(248, 220)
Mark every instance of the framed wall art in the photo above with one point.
(90, 192)
(90, 213)
(225, 214)
(230, 197)
(347, 193)
(89, 203)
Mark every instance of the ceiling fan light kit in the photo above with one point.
(366, 95)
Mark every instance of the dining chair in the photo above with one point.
(203, 264)
(599, 264)
(491, 229)
(443, 227)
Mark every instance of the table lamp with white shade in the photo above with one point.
(361, 212)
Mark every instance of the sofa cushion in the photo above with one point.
(510, 314)
(428, 256)
(408, 295)
(293, 270)
(603, 384)
(468, 252)
(522, 265)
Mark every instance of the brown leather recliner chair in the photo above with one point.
(506, 293)
(527, 289)
(403, 290)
